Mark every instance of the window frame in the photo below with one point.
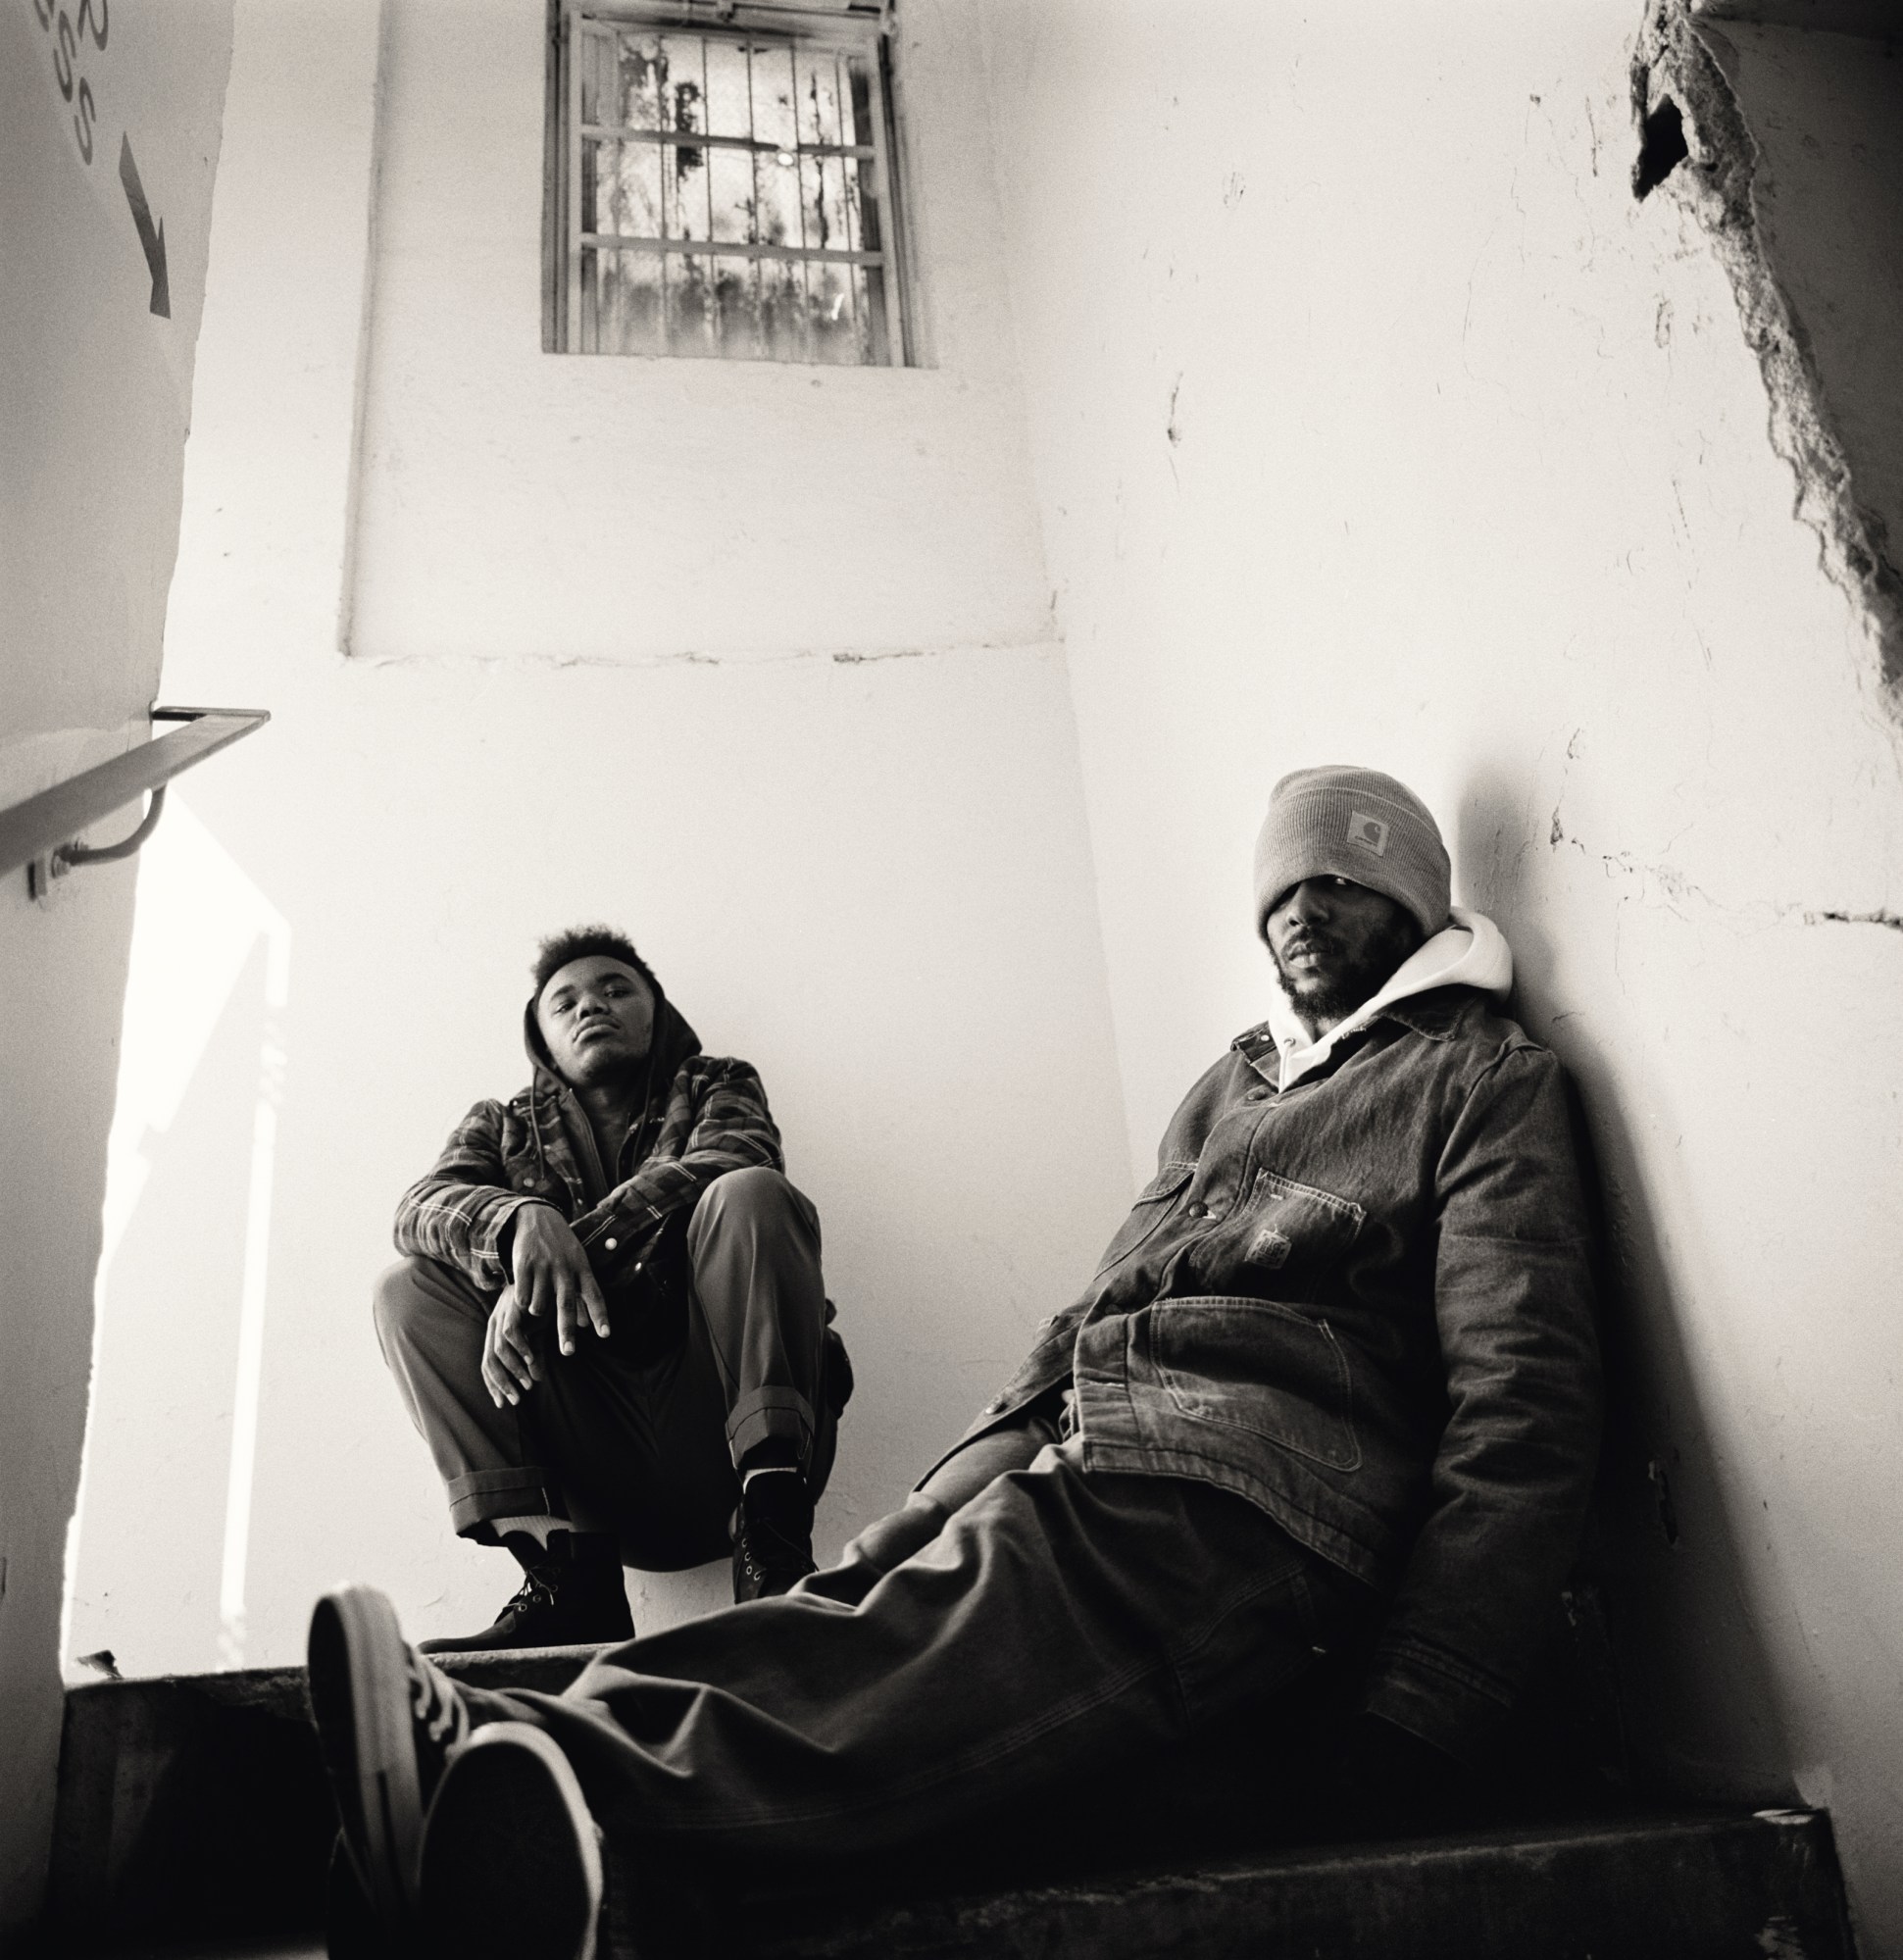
(859, 26)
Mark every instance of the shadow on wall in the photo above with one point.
(1696, 1684)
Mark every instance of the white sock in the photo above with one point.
(537, 1527)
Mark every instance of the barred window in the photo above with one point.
(722, 184)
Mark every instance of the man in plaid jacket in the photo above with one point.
(609, 1322)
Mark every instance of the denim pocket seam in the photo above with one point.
(1181, 1392)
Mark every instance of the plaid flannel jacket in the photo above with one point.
(537, 1148)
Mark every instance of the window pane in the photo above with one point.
(587, 336)
(779, 203)
(730, 177)
(683, 191)
(730, 111)
(829, 310)
(637, 96)
(818, 95)
(590, 49)
(629, 306)
(690, 304)
(851, 170)
(737, 303)
(683, 93)
(782, 309)
(868, 294)
(632, 191)
(823, 189)
(774, 120)
(859, 81)
(589, 202)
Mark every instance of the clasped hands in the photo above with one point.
(552, 1278)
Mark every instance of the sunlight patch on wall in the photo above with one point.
(197, 928)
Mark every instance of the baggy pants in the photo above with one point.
(644, 1448)
(970, 1651)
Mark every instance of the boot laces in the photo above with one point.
(532, 1593)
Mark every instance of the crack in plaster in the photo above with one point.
(1673, 61)
(1664, 886)
(1893, 919)
(634, 663)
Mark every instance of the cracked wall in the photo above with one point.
(1375, 420)
(1795, 171)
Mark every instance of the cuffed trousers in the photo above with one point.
(1056, 1624)
(642, 1448)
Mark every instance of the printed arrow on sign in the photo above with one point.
(151, 235)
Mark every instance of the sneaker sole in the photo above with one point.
(511, 1861)
(360, 1695)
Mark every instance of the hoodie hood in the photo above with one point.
(1469, 951)
(670, 1043)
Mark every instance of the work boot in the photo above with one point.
(571, 1595)
(511, 1857)
(773, 1534)
(387, 1723)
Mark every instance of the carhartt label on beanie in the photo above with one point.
(1357, 824)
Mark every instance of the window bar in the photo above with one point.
(842, 108)
(627, 242)
(577, 40)
(626, 133)
(886, 175)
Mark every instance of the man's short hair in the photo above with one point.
(578, 942)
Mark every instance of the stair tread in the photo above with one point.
(193, 1809)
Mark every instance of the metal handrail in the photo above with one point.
(41, 831)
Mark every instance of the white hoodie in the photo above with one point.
(1470, 951)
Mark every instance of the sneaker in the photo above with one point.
(571, 1595)
(511, 1857)
(387, 1723)
(773, 1534)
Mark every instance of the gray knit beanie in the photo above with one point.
(1340, 822)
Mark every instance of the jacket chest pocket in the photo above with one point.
(1298, 1231)
(1154, 1203)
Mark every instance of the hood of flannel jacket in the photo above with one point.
(673, 1041)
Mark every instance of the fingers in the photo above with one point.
(592, 1298)
(560, 1285)
(501, 1388)
(509, 1365)
(567, 1311)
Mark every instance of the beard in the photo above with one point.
(1332, 993)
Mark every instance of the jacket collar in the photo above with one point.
(1435, 1015)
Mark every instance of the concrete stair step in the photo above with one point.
(192, 1811)
(1657, 1888)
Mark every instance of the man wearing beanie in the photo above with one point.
(609, 1324)
(1333, 1391)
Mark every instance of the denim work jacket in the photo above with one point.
(1365, 1304)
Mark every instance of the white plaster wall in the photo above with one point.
(516, 503)
(1375, 421)
(94, 394)
(869, 875)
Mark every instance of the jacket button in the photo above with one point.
(611, 1243)
(1257, 1095)
(637, 1265)
(1197, 1210)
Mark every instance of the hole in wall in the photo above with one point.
(1662, 148)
